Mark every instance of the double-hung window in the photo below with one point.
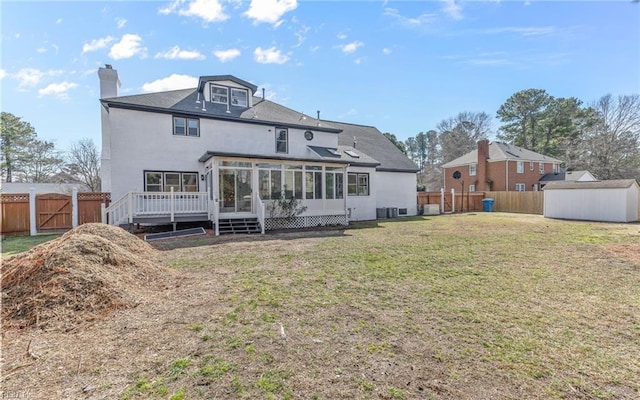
(219, 94)
(472, 169)
(239, 97)
(531, 163)
(282, 140)
(520, 167)
(541, 167)
(183, 126)
(520, 187)
(357, 184)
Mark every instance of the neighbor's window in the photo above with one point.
(541, 167)
(282, 140)
(520, 187)
(531, 165)
(183, 126)
(239, 97)
(161, 181)
(334, 183)
(472, 169)
(520, 167)
(556, 168)
(472, 188)
(357, 184)
(219, 94)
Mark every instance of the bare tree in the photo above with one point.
(44, 161)
(84, 163)
(459, 134)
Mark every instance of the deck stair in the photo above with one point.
(238, 225)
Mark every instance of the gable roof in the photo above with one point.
(568, 176)
(609, 184)
(499, 151)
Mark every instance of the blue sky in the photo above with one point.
(401, 66)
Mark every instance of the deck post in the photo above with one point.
(130, 204)
(172, 206)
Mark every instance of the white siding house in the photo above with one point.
(218, 152)
(609, 201)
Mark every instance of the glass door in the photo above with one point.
(235, 191)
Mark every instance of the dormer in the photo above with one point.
(226, 91)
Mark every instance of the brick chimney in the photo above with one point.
(481, 168)
(109, 82)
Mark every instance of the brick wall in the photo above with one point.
(496, 172)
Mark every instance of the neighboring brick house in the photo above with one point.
(499, 167)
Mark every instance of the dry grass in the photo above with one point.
(453, 307)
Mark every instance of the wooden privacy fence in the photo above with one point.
(28, 213)
(514, 202)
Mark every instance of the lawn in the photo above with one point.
(17, 244)
(469, 306)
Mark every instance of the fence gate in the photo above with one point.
(53, 211)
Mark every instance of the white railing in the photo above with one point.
(260, 209)
(151, 204)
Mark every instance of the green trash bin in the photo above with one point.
(487, 205)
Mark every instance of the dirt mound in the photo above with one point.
(85, 274)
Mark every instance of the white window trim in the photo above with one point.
(473, 168)
(286, 140)
(246, 97)
(541, 167)
(520, 167)
(521, 185)
(472, 188)
(213, 94)
(531, 165)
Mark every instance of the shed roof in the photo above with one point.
(610, 184)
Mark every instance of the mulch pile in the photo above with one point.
(85, 274)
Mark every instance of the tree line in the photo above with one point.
(26, 158)
(602, 137)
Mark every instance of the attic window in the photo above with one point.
(352, 153)
(219, 94)
(239, 97)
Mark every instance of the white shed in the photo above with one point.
(609, 201)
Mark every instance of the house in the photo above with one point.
(499, 166)
(230, 154)
(609, 201)
(569, 176)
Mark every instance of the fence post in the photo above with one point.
(453, 200)
(103, 213)
(74, 207)
(33, 230)
(442, 200)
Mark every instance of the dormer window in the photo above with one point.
(219, 94)
(239, 97)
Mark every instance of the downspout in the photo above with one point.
(507, 176)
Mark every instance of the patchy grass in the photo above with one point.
(17, 244)
(466, 306)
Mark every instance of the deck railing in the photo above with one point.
(151, 204)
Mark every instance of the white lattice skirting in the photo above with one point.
(304, 222)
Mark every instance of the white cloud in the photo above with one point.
(175, 53)
(97, 44)
(173, 82)
(226, 55)
(341, 36)
(208, 10)
(269, 11)
(524, 30)
(386, 51)
(55, 47)
(269, 56)
(452, 9)
(300, 34)
(41, 50)
(29, 77)
(121, 22)
(57, 89)
(351, 47)
(3, 73)
(59, 21)
(127, 47)
(410, 22)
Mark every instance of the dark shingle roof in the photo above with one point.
(376, 149)
(499, 151)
